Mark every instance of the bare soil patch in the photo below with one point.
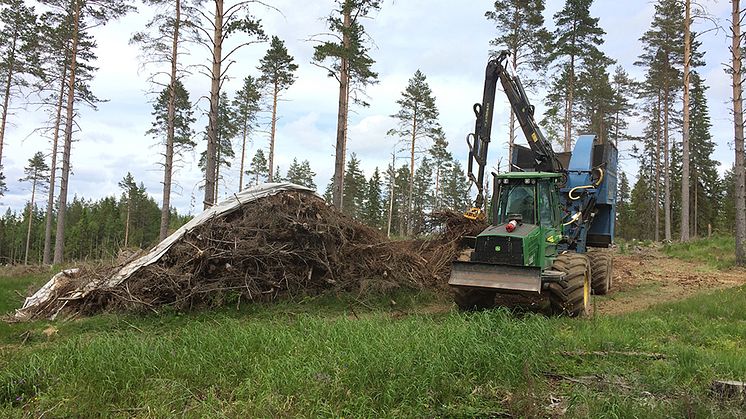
(647, 277)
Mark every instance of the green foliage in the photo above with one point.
(356, 53)
(354, 188)
(277, 67)
(247, 105)
(442, 160)
(417, 117)
(301, 174)
(258, 169)
(595, 97)
(37, 171)
(520, 27)
(372, 211)
(183, 118)
(19, 48)
(576, 39)
(227, 131)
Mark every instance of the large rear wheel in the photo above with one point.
(572, 295)
(601, 278)
(470, 299)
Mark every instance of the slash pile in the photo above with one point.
(285, 245)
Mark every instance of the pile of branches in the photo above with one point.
(285, 245)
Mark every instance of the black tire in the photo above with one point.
(471, 299)
(601, 272)
(571, 295)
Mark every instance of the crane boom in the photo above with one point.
(478, 141)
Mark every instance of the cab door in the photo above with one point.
(548, 213)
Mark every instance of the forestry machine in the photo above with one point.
(544, 214)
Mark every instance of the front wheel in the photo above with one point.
(572, 295)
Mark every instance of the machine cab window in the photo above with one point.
(517, 198)
(547, 211)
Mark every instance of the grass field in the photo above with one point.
(718, 252)
(368, 358)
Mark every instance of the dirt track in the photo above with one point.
(647, 278)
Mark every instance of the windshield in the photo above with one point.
(516, 199)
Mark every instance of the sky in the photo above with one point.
(447, 40)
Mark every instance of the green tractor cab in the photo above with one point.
(517, 253)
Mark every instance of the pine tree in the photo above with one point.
(623, 209)
(172, 126)
(577, 37)
(520, 27)
(160, 43)
(422, 187)
(351, 66)
(84, 15)
(258, 169)
(662, 56)
(129, 193)
(19, 55)
(625, 90)
(277, 68)
(37, 173)
(739, 169)
(456, 188)
(595, 96)
(417, 120)
(442, 159)
(354, 188)
(226, 132)
(246, 105)
(703, 181)
(372, 212)
(301, 174)
(212, 30)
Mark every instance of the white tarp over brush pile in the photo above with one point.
(52, 289)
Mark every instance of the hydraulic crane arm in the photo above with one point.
(479, 141)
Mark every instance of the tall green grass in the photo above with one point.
(717, 252)
(319, 358)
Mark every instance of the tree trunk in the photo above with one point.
(658, 169)
(59, 242)
(685, 141)
(212, 127)
(47, 257)
(738, 136)
(272, 133)
(391, 194)
(243, 153)
(127, 222)
(666, 166)
(568, 108)
(511, 129)
(411, 172)
(170, 129)
(342, 112)
(30, 218)
(6, 98)
(217, 168)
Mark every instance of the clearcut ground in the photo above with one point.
(652, 349)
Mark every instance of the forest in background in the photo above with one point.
(48, 54)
